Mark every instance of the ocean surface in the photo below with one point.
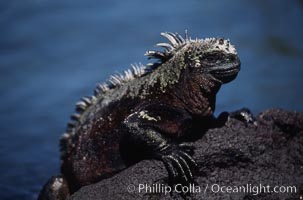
(54, 52)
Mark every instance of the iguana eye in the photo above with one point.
(197, 64)
(211, 58)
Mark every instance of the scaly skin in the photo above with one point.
(146, 113)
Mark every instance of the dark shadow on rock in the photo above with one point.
(256, 157)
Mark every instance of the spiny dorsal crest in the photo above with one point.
(118, 79)
(176, 42)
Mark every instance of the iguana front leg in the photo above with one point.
(153, 130)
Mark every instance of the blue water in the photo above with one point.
(54, 52)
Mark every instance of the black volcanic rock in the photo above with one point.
(268, 153)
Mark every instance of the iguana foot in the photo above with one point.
(244, 115)
(179, 163)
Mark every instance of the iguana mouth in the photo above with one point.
(227, 72)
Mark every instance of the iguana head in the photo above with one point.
(215, 57)
(211, 56)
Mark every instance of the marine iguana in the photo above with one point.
(144, 114)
